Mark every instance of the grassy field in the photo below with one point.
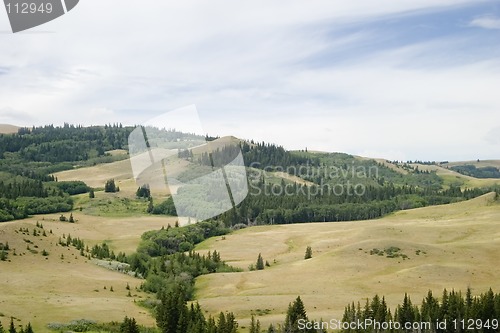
(121, 171)
(97, 176)
(47, 289)
(477, 163)
(453, 246)
(451, 177)
(8, 129)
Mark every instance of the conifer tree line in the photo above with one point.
(173, 315)
(64, 144)
(19, 199)
(473, 171)
(12, 328)
(259, 154)
(303, 207)
(327, 199)
(59, 147)
(461, 313)
(25, 188)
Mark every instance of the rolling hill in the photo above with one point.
(8, 129)
(413, 250)
(63, 285)
(451, 246)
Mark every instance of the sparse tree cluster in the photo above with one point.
(12, 328)
(129, 325)
(173, 315)
(143, 191)
(111, 187)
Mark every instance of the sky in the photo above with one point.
(395, 79)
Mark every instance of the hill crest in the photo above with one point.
(8, 129)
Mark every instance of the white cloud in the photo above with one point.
(9, 115)
(486, 22)
(493, 136)
(247, 69)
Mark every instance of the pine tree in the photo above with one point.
(271, 329)
(12, 328)
(308, 254)
(405, 311)
(110, 186)
(150, 206)
(296, 311)
(143, 191)
(260, 263)
(29, 329)
(254, 325)
(129, 325)
(168, 312)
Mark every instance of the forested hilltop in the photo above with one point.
(28, 158)
(285, 186)
(301, 186)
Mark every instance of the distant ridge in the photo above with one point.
(8, 129)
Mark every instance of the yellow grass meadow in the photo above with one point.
(453, 246)
(51, 289)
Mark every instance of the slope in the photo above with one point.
(64, 285)
(452, 246)
(8, 129)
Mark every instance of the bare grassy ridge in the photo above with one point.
(452, 246)
(8, 129)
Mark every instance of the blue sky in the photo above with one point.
(413, 79)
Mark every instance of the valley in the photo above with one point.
(401, 249)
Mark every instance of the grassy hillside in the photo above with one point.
(410, 251)
(8, 129)
(476, 163)
(51, 289)
(453, 178)
(452, 246)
